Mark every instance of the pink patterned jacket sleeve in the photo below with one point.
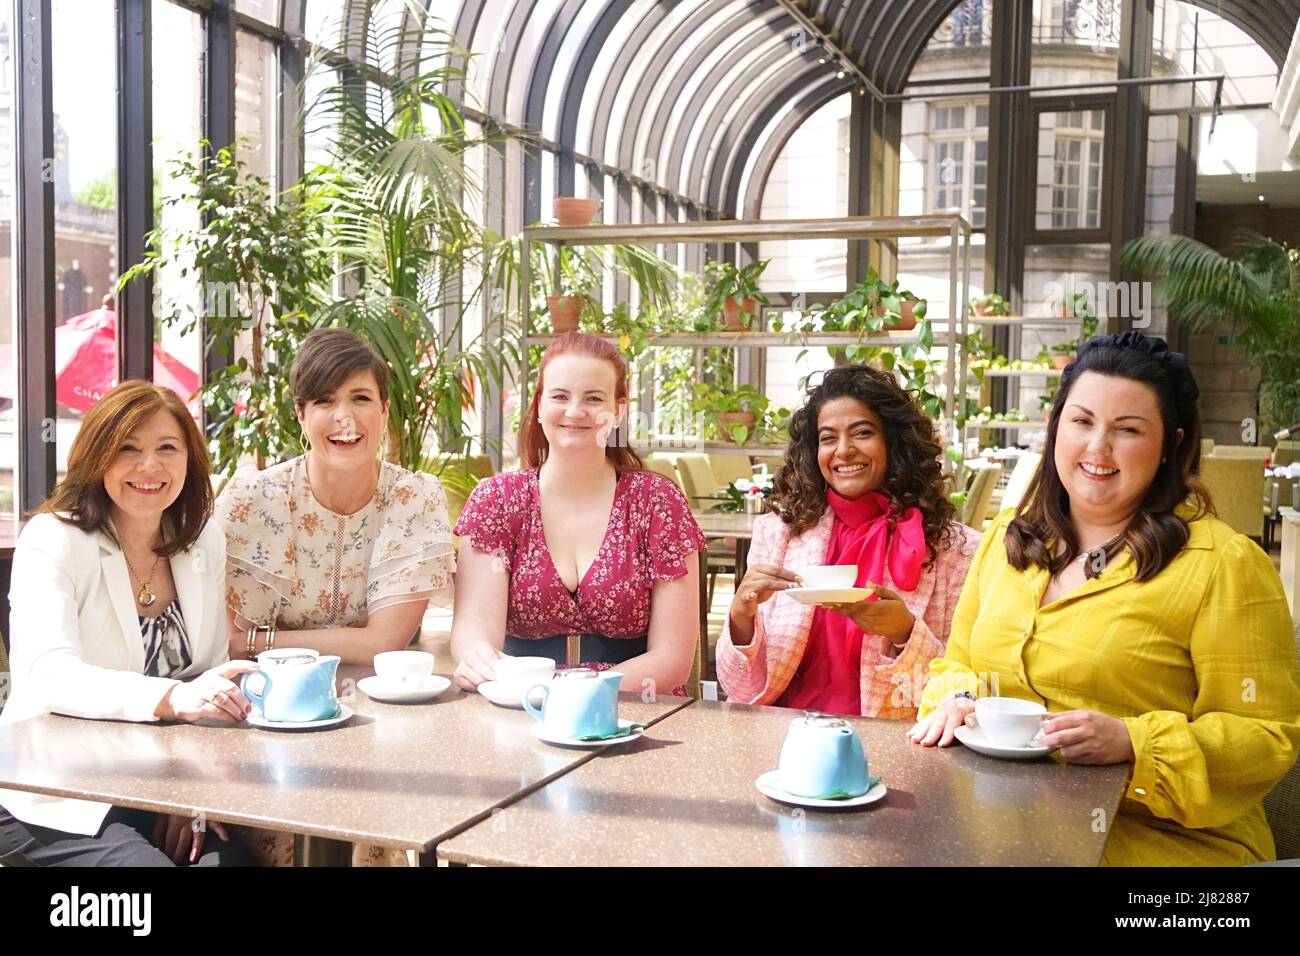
(759, 672)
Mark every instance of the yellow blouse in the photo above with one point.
(1199, 662)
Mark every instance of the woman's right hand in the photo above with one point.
(211, 695)
(760, 582)
(939, 725)
(478, 665)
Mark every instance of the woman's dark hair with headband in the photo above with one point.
(1042, 534)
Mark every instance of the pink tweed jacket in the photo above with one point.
(759, 672)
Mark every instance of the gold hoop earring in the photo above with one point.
(306, 445)
(383, 444)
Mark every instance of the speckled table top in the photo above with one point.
(685, 795)
(399, 775)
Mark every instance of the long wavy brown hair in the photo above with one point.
(913, 473)
(1042, 534)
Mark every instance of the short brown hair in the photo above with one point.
(81, 498)
(327, 359)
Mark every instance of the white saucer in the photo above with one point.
(539, 731)
(973, 738)
(498, 695)
(829, 595)
(769, 785)
(375, 688)
(258, 721)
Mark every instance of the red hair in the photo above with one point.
(533, 446)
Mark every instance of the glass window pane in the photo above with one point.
(8, 337)
(323, 22)
(1069, 186)
(268, 11)
(85, 209)
(255, 96)
(177, 129)
(1076, 35)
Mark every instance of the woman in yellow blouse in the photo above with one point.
(1153, 633)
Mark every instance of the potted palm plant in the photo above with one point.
(1255, 295)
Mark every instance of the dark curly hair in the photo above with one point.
(913, 474)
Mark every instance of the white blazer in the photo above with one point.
(76, 646)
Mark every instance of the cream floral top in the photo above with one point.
(293, 562)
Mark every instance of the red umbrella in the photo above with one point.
(85, 363)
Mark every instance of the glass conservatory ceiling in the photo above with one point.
(683, 96)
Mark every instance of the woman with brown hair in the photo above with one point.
(116, 614)
(582, 541)
(1153, 633)
(335, 550)
(861, 484)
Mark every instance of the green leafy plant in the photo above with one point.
(990, 304)
(399, 224)
(1256, 295)
(726, 281)
(264, 267)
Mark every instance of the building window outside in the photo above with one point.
(959, 160)
(1076, 170)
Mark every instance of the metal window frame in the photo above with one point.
(34, 252)
(135, 320)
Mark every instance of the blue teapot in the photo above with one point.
(578, 702)
(823, 758)
(297, 685)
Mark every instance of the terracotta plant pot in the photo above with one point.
(907, 316)
(727, 419)
(575, 212)
(564, 310)
(733, 313)
(1061, 361)
(984, 311)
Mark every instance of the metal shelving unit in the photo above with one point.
(957, 229)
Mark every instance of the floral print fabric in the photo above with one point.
(293, 562)
(650, 532)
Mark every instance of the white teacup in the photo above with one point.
(827, 576)
(405, 669)
(1009, 721)
(516, 674)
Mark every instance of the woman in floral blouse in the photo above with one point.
(581, 542)
(336, 550)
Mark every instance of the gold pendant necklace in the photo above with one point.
(145, 596)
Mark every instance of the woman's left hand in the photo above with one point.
(1086, 736)
(888, 616)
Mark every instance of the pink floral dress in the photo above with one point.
(650, 533)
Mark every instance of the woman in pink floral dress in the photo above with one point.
(581, 542)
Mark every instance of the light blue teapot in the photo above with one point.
(823, 758)
(297, 685)
(578, 702)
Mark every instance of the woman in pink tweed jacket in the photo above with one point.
(861, 484)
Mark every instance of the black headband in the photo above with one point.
(1175, 365)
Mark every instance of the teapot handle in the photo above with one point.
(256, 698)
(528, 702)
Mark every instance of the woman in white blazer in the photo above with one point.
(117, 613)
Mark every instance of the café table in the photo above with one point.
(404, 776)
(687, 798)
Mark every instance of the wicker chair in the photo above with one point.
(663, 467)
(1236, 485)
(728, 468)
(978, 495)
